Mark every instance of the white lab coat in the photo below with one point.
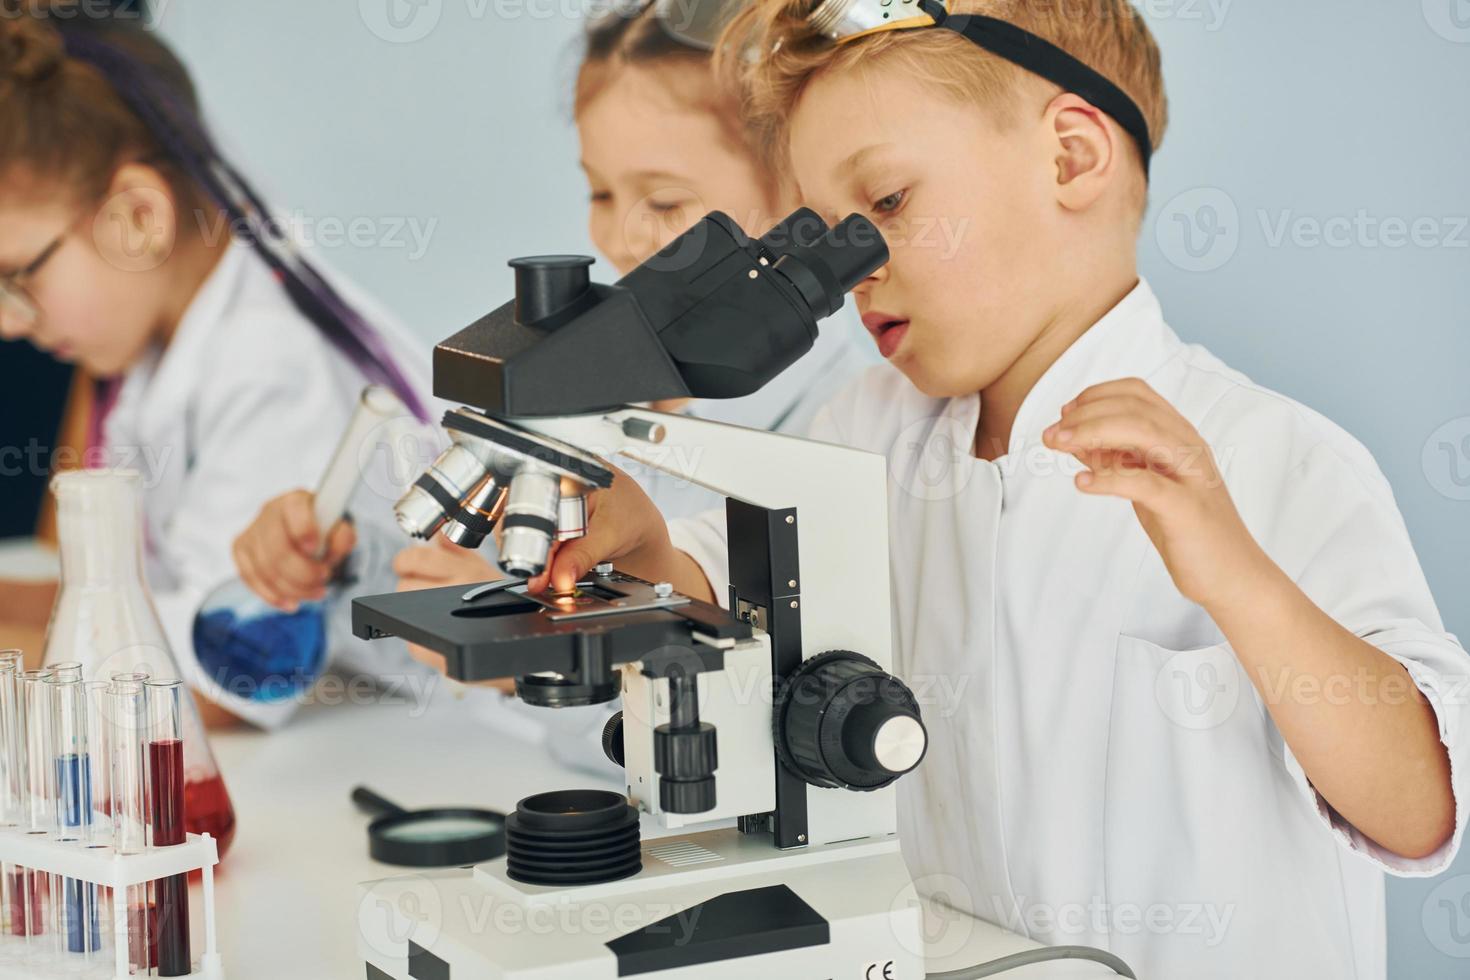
(1100, 770)
(246, 402)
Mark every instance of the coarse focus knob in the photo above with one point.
(612, 740)
(842, 721)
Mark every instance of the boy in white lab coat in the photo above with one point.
(1199, 696)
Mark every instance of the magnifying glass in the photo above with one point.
(439, 838)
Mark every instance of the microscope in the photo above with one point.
(765, 740)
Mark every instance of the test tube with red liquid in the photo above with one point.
(128, 735)
(165, 791)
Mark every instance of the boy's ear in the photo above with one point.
(1087, 155)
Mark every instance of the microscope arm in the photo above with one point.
(825, 588)
(840, 495)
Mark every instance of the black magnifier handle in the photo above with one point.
(371, 802)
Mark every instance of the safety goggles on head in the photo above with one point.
(848, 20)
(700, 22)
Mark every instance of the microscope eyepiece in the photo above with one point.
(851, 251)
(548, 284)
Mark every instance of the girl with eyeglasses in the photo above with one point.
(226, 364)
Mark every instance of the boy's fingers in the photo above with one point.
(575, 558)
(1135, 387)
(1172, 426)
(540, 583)
(1107, 405)
(1143, 487)
(300, 521)
(1153, 445)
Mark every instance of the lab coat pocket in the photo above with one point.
(1190, 793)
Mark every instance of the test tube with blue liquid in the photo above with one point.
(55, 885)
(249, 649)
(76, 900)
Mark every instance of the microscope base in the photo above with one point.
(712, 906)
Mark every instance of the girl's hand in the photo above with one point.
(438, 564)
(1137, 446)
(280, 555)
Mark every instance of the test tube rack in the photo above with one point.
(28, 958)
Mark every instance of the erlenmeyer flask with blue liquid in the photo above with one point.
(248, 649)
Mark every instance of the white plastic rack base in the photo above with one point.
(37, 957)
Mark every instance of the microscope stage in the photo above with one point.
(506, 634)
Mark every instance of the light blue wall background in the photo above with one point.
(1308, 111)
(1286, 116)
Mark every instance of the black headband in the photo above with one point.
(1040, 57)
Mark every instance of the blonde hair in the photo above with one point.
(1109, 36)
(638, 40)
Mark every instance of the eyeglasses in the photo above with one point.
(17, 305)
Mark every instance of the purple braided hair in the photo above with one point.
(186, 141)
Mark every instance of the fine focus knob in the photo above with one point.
(842, 721)
(547, 284)
(685, 760)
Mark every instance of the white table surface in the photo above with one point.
(287, 893)
(26, 560)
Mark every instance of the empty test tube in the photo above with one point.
(10, 780)
(69, 671)
(99, 746)
(127, 737)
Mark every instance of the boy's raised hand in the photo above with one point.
(625, 527)
(280, 556)
(1137, 446)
